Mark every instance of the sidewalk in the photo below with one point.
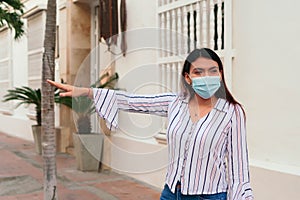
(21, 177)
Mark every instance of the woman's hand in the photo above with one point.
(72, 91)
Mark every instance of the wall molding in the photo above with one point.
(36, 9)
(284, 168)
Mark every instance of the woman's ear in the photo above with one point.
(187, 79)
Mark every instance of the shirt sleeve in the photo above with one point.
(109, 102)
(238, 167)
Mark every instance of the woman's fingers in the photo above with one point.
(58, 85)
(67, 88)
(70, 90)
(65, 94)
(62, 86)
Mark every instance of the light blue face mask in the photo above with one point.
(206, 86)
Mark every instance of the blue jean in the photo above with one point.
(168, 195)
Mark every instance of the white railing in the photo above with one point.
(186, 25)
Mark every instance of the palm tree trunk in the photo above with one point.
(49, 144)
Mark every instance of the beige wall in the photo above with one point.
(75, 27)
(266, 81)
(268, 184)
(74, 44)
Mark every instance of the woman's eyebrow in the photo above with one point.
(199, 68)
(214, 67)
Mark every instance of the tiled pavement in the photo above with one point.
(21, 177)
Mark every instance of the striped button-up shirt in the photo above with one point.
(208, 156)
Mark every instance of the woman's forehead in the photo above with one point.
(204, 63)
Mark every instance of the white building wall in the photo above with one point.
(266, 81)
(16, 122)
(133, 145)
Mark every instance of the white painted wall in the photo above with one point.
(18, 124)
(138, 70)
(135, 152)
(140, 16)
(266, 78)
(266, 81)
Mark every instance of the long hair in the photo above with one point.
(188, 91)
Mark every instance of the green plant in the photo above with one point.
(11, 12)
(84, 107)
(28, 96)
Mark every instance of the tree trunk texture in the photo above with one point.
(49, 140)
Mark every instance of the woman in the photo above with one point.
(206, 132)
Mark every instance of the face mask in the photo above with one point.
(206, 86)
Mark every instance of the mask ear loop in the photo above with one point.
(191, 83)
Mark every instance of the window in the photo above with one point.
(5, 66)
(36, 30)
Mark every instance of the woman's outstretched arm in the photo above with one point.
(72, 91)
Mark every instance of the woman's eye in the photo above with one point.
(214, 71)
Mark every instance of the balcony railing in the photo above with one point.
(186, 25)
